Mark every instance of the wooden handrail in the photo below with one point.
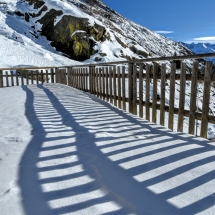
(168, 58)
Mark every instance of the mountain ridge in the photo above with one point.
(201, 48)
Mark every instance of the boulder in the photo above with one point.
(71, 35)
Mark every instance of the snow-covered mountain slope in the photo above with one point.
(17, 45)
(200, 48)
(81, 31)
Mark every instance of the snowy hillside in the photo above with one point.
(82, 32)
(18, 47)
(200, 48)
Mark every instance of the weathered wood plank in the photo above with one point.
(107, 85)
(130, 87)
(84, 77)
(69, 74)
(110, 84)
(147, 92)
(7, 81)
(135, 89)
(12, 81)
(100, 83)
(22, 77)
(119, 87)
(114, 86)
(41, 75)
(17, 79)
(87, 78)
(79, 79)
(193, 94)
(123, 88)
(103, 83)
(27, 76)
(97, 82)
(47, 78)
(206, 99)
(81, 82)
(154, 101)
(1, 79)
(141, 90)
(52, 75)
(92, 76)
(162, 97)
(73, 77)
(172, 96)
(32, 78)
(182, 97)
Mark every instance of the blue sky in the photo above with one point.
(184, 20)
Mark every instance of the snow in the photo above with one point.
(20, 48)
(64, 151)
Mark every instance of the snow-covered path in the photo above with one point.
(64, 151)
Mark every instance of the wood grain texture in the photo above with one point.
(193, 94)
(182, 97)
(162, 96)
(172, 96)
(206, 99)
(154, 101)
(147, 91)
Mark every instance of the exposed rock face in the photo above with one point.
(71, 35)
(37, 3)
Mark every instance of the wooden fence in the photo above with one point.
(124, 83)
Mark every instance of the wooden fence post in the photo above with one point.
(100, 83)
(107, 93)
(135, 89)
(32, 80)
(97, 82)
(7, 81)
(119, 87)
(56, 75)
(193, 95)
(172, 96)
(154, 101)
(12, 81)
(114, 85)
(182, 97)
(22, 78)
(47, 78)
(123, 88)
(103, 83)
(83, 79)
(52, 75)
(147, 92)
(17, 79)
(130, 87)
(1, 79)
(69, 75)
(206, 99)
(110, 84)
(162, 97)
(41, 72)
(141, 90)
(87, 75)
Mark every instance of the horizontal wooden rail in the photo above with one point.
(168, 58)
